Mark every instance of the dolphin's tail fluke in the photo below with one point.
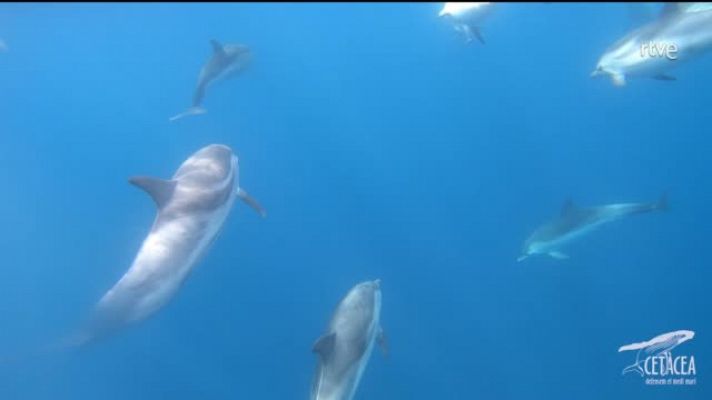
(633, 368)
(60, 346)
(662, 204)
(191, 111)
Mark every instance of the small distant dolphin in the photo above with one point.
(192, 208)
(3, 46)
(659, 345)
(575, 222)
(346, 347)
(682, 32)
(225, 62)
(467, 18)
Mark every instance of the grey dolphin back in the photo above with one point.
(218, 58)
(660, 205)
(573, 216)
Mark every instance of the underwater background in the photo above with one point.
(382, 147)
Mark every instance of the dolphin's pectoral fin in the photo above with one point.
(218, 48)
(664, 77)
(558, 255)
(471, 33)
(250, 201)
(160, 190)
(382, 341)
(324, 345)
(670, 9)
(618, 79)
(465, 31)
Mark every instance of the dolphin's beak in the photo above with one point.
(522, 257)
(596, 73)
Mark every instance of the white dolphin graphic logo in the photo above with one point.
(660, 345)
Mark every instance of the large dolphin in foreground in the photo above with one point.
(345, 348)
(192, 207)
(682, 32)
(574, 222)
(225, 62)
(467, 18)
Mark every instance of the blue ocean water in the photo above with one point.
(382, 147)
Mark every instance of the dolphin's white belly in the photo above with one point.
(165, 259)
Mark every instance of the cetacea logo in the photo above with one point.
(654, 360)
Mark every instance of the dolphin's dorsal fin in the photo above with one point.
(568, 207)
(160, 190)
(670, 8)
(664, 77)
(217, 48)
(324, 345)
(382, 341)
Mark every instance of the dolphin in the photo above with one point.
(574, 222)
(682, 32)
(192, 208)
(659, 345)
(225, 62)
(3, 46)
(467, 18)
(692, 7)
(346, 346)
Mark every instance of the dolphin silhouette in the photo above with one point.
(225, 62)
(574, 222)
(659, 345)
(345, 348)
